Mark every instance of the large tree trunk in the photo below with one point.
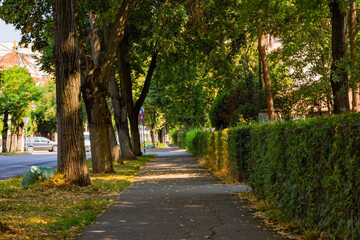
(124, 137)
(266, 75)
(120, 115)
(4, 132)
(71, 150)
(94, 95)
(135, 133)
(126, 84)
(354, 58)
(19, 135)
(114, 146)
(339, 76)
(96, 73)
(95, 103)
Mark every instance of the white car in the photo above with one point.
(87, 142)
(40, 143)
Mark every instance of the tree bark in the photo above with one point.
(19, 135)
(134, 109)
(114, 147)
(96, 108)
(354, 58)
(260, 96)
(71, 150)
(266, 76)
(95, 103)
(153, 128)
(120, 115)
(5, 131)
(135, 133)
(339, 76)
(96, 73)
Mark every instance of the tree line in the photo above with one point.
(194, 63)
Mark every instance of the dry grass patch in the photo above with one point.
(55, 210)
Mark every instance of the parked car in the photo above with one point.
(87, 142)
(40, 143)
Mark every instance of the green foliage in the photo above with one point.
(232, 108)
(45, 113)
(33, 18)
(190, 140)
(17, 92)
(308, 169)
(174, 135)
(182, 136)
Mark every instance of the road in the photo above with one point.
(19, 164)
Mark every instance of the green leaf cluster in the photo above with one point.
(17, 91)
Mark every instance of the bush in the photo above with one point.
(309, 169)
(190, 140)
(174, 136)
(182, 137)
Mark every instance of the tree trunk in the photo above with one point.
(153, 129)
(19, 135)
(124, 137)
(120, 115)
(71, 150)
(160, 136)
(260, 96)
(95, 83)
(266, 75)
(95, 103)
(353, 54)
(126, 84)
(153, 136)
(135, 133)
(4, 132)
(339, 76)
(114, 147)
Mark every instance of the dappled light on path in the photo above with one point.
(173, 197)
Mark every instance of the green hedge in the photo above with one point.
(309, 169)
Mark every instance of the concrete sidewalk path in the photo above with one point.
(175, 198)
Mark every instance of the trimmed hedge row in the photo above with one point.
(309, 169)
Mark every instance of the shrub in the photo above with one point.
(182, 137)
(309, 169)
(174, 135)
(190, 140)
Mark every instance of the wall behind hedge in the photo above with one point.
(309, 169)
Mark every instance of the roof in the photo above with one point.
(12, 59)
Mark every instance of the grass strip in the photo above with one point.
(55, 210)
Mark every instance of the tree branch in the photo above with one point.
(146, 87)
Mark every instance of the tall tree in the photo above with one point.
(71, 154)
(134, 109)
(17, 92)
(266, 76)
(96, 73)
(354, 59)
(339, 76)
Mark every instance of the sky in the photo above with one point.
(8, 33)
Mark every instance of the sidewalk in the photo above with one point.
(174, 198)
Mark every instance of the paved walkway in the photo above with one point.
(174, 198)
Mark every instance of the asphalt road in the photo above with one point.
(19, 164)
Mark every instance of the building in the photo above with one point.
(13, 54)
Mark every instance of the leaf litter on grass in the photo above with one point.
(55, 210)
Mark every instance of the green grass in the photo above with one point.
(54, 210)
